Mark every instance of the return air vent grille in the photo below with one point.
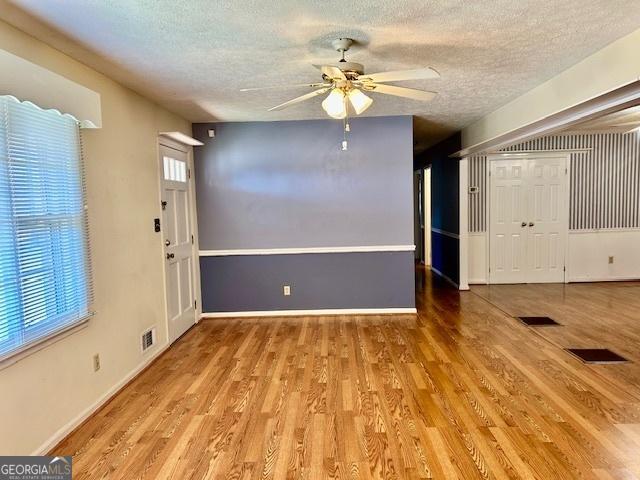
(148, 339)
(539, 321)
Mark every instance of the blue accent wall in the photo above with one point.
(318, 281)
(445, 196)
(266, 185)
(445, 206)
(289, 184)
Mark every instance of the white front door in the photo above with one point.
(178, 240)
(528, 221)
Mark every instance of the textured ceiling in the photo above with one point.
(193, 56)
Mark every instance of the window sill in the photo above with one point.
(43, 343)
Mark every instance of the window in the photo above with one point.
(45, 280)
(175, 170)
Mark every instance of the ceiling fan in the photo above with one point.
(346, 83)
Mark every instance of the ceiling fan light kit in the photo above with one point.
(345, 82)
(359, 101)
(335, 105)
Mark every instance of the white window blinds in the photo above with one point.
(45, 279)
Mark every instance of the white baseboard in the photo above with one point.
(87, 412)
(478, 281)
(303, 313)
(435, 270)
(602, 279)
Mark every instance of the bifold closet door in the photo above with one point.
(547, 220)
(507, 211)
(527, 219)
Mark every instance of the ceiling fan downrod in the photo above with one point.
(342, 45)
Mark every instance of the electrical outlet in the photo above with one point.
(286, 290)
(96, 362)
(610, 259)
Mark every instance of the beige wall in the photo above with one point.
(51, 389)
(616, 65)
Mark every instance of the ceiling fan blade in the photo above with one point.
(331, 72)
(274, 87)
(398, 75)
(400, 91)
(299, 99)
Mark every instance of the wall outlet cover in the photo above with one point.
(286, 290)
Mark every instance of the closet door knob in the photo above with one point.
(531, 224)
(523, 224)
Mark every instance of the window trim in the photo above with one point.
(29, 349)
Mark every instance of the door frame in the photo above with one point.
(491, 157)
(426, 209)
(188, 150)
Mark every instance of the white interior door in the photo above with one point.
(507, 217)
(547, 220)
(178, 240)
(527, 219)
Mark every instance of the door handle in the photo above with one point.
(523, 224)
(531, 224)
(170, 256)
(167, 242)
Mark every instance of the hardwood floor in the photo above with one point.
(593, 315)
(460, 391)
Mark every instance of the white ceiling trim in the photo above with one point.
(623, 97)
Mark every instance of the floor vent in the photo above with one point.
(148, 338)
(539, 321)
(597, 355)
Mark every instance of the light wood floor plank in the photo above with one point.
(460, 391)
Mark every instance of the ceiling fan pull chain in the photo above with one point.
(347, 127)
(345, 124)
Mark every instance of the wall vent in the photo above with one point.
(148, 339)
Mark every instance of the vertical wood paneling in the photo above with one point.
(604, 181)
